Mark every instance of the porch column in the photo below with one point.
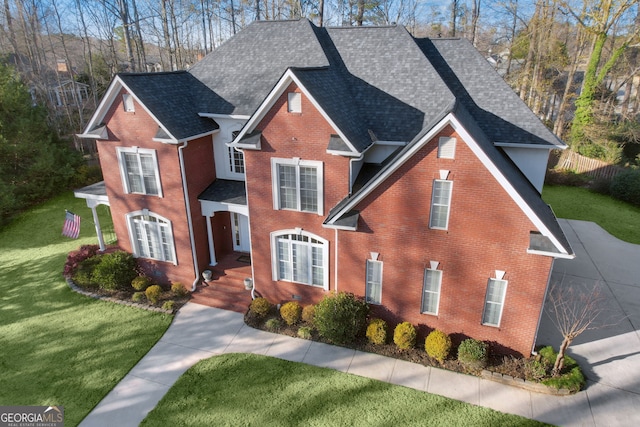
(212, 249)
(96, 221)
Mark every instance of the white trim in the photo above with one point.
(551, 254)
(297, 162)
(499, 274)
(451, 120)
(537, 146)
(444, 174)
(275, 261)
(224, 116)
(287, 78)
(124, 174)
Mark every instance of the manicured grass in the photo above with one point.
(58, 347)
(618, 218)
(247, 389)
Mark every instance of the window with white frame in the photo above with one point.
(297, 185)
(446, 147)
(236, 157)
(139, 170)
(300, 257)
(294, 102)
(151, 236)
(440, 204)
(494, 302)
(127, 103)
(431, 291)
(373, 291)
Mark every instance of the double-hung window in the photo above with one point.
(151, 236)
(236, 157)
(373, 291)
(300, 257)
(431, 291)
(440, 204)
(297, 185)
(494, 302)
(139, 170)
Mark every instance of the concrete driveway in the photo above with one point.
(610, 355)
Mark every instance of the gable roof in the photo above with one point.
(173, 100)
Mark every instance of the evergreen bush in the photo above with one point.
(274, 324)
(168, 305)
(141, 283)
(305, 332)
(260, 307)
(138, 297)
(179, 290)
(377, 331)
(308, 313)
(341, 317)
(473, 353)
(291, 312)
(115, 271)
(404, 335)
(438, 345)
(153, 293)
(626, 186)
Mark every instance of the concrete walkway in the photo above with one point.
(613, 355)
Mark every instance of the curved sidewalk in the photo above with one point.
(199, 332)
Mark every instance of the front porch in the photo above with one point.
(226, 289)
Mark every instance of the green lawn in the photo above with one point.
(246, 389)
(58, 347)
(618, 218)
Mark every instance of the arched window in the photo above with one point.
(300, 257)
(151, 236)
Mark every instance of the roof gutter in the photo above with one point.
(187, 205)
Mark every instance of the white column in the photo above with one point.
(212, 249)
(96, 221)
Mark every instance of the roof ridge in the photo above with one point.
(149, 73)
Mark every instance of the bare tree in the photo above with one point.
(574, 309)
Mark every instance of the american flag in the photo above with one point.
(71, 226)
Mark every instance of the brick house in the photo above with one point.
(365, 160)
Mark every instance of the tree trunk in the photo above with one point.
(360, 13)
(321, 12)
(12, 34)
(475, 16)
(559, 364)
(454, 16)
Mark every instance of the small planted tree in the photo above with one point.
(573, 308)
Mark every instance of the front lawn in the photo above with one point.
(58, 347)
(620, 219)
(247, 389)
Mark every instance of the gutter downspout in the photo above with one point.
(187, 205)
(533, 349)
(336, 266)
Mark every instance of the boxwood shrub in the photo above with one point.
(341, 317)
(404, 335)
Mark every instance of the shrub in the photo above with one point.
(305, 332)
(260, 307)
(473, 353)
(291, 312)
(626, 186)
(601, 186)
(83, 275)
(571, 376)
(115, 270)
(76, 257)
(273, 324)
(377, 331)
(168, 305)
(404, 335)
(535, 370)
(179, 290)
(565, 177)
(153, 293)
(438, 345)
(138, 297)
(341, 317)
(308, 313)
(141, 283)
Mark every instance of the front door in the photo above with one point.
(240, 226)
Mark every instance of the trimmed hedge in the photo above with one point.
(341, 317)
(438, 345)
(404, 335)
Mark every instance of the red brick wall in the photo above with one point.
(487, 232)
(287, 135)
(128, 129)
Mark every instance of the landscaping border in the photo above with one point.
(524, 384)
(94, 295)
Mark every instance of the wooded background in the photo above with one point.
(575, 63)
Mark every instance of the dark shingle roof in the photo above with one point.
(245, 68)
(175, 99)
(492, 103)
(225, 191)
